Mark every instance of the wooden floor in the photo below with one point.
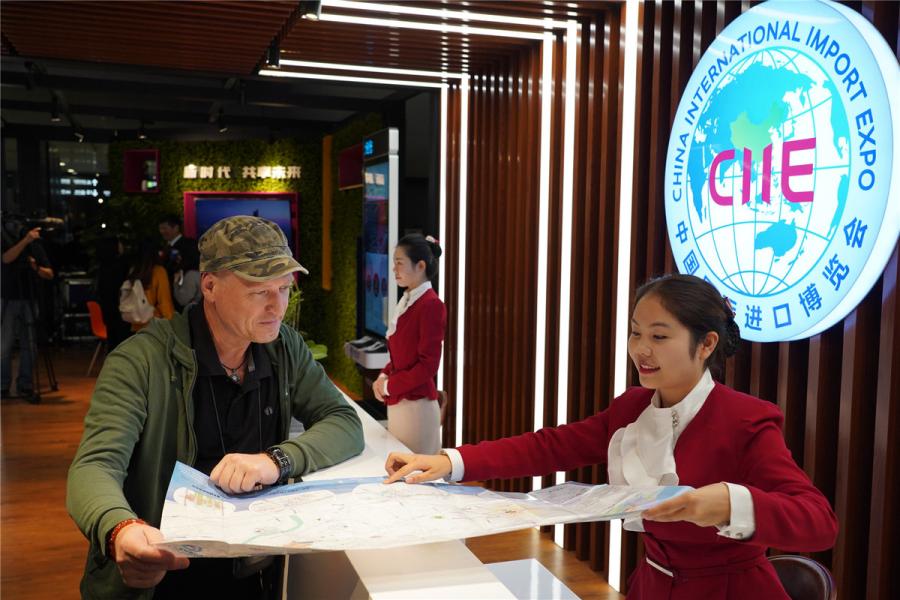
(42, 552)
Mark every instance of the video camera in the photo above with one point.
(15, 227)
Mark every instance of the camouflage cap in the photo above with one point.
(253, 248)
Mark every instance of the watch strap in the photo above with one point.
(282, 461)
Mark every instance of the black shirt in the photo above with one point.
(17, 279)
(231, 417)
(244, 418)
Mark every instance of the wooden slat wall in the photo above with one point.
(502, 192)
(450, 276)
(594, 257)
(839, 391)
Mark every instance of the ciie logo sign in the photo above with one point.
(783, 169)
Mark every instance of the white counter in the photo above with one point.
(443, 570)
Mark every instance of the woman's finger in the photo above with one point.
(395, 460)
(398, 475)
(665, 509)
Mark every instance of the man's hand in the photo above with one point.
(433, 466)
(241, 473)
(707, 507)
(142, 564)
(13, 253)
(34, 234)
(42, 272)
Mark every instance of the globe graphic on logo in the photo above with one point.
(770, 97)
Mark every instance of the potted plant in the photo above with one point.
(292, 318)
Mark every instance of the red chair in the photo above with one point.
(804, 578)
(98, 328)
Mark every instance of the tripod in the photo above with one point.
(38, 354)
(22, 269)
(28, 343)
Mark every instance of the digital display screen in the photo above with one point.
(213, 209)
(375, 246)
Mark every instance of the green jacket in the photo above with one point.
(140, 422)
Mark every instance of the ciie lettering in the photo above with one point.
(787, 171)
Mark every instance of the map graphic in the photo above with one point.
(363, 513)
(772, 96)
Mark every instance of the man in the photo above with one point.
(22, 259)
(179, 250)
(214, 387)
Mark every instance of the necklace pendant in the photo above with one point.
(235, 377)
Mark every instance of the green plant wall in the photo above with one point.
(346, 227)
(134, 216)
(329, 317)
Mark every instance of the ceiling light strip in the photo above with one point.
(440, 13)
(442, 27)
(368, 69)
(624, 251)
(565, 250)
(540, 334)
(442, 210)
(461, 254)
(348, 78)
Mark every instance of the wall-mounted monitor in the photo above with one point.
(381, 174)
(376, 177)
(203, 209)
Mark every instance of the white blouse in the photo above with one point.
(408, 299)
(642, 454)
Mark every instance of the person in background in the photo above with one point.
(215, 387)
(679, 428)
(23, 259)
(112, 271)
(415, 338)
(155, 280)
(177, 249)
(186, 281)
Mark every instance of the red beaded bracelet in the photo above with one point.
(111, 544)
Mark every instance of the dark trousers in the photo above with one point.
(17, 323)
(215, 578)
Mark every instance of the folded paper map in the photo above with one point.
(362, 513)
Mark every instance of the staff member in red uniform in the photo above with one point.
(682, 428)
(415, 336)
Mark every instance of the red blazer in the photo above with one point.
(415, 350)
(734, 438)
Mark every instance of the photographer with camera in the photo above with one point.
(22, 261)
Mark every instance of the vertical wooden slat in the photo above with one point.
(793, 360)
(501, 250)
(654, 228)
(854, 455)
(583, 298)
(450, 264)
(764, 371)
(884, 524)
(840, 407)
(822, 412)
(507, 244)
(612, 116)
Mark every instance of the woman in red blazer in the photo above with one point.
(682, 428)
(415, 337)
